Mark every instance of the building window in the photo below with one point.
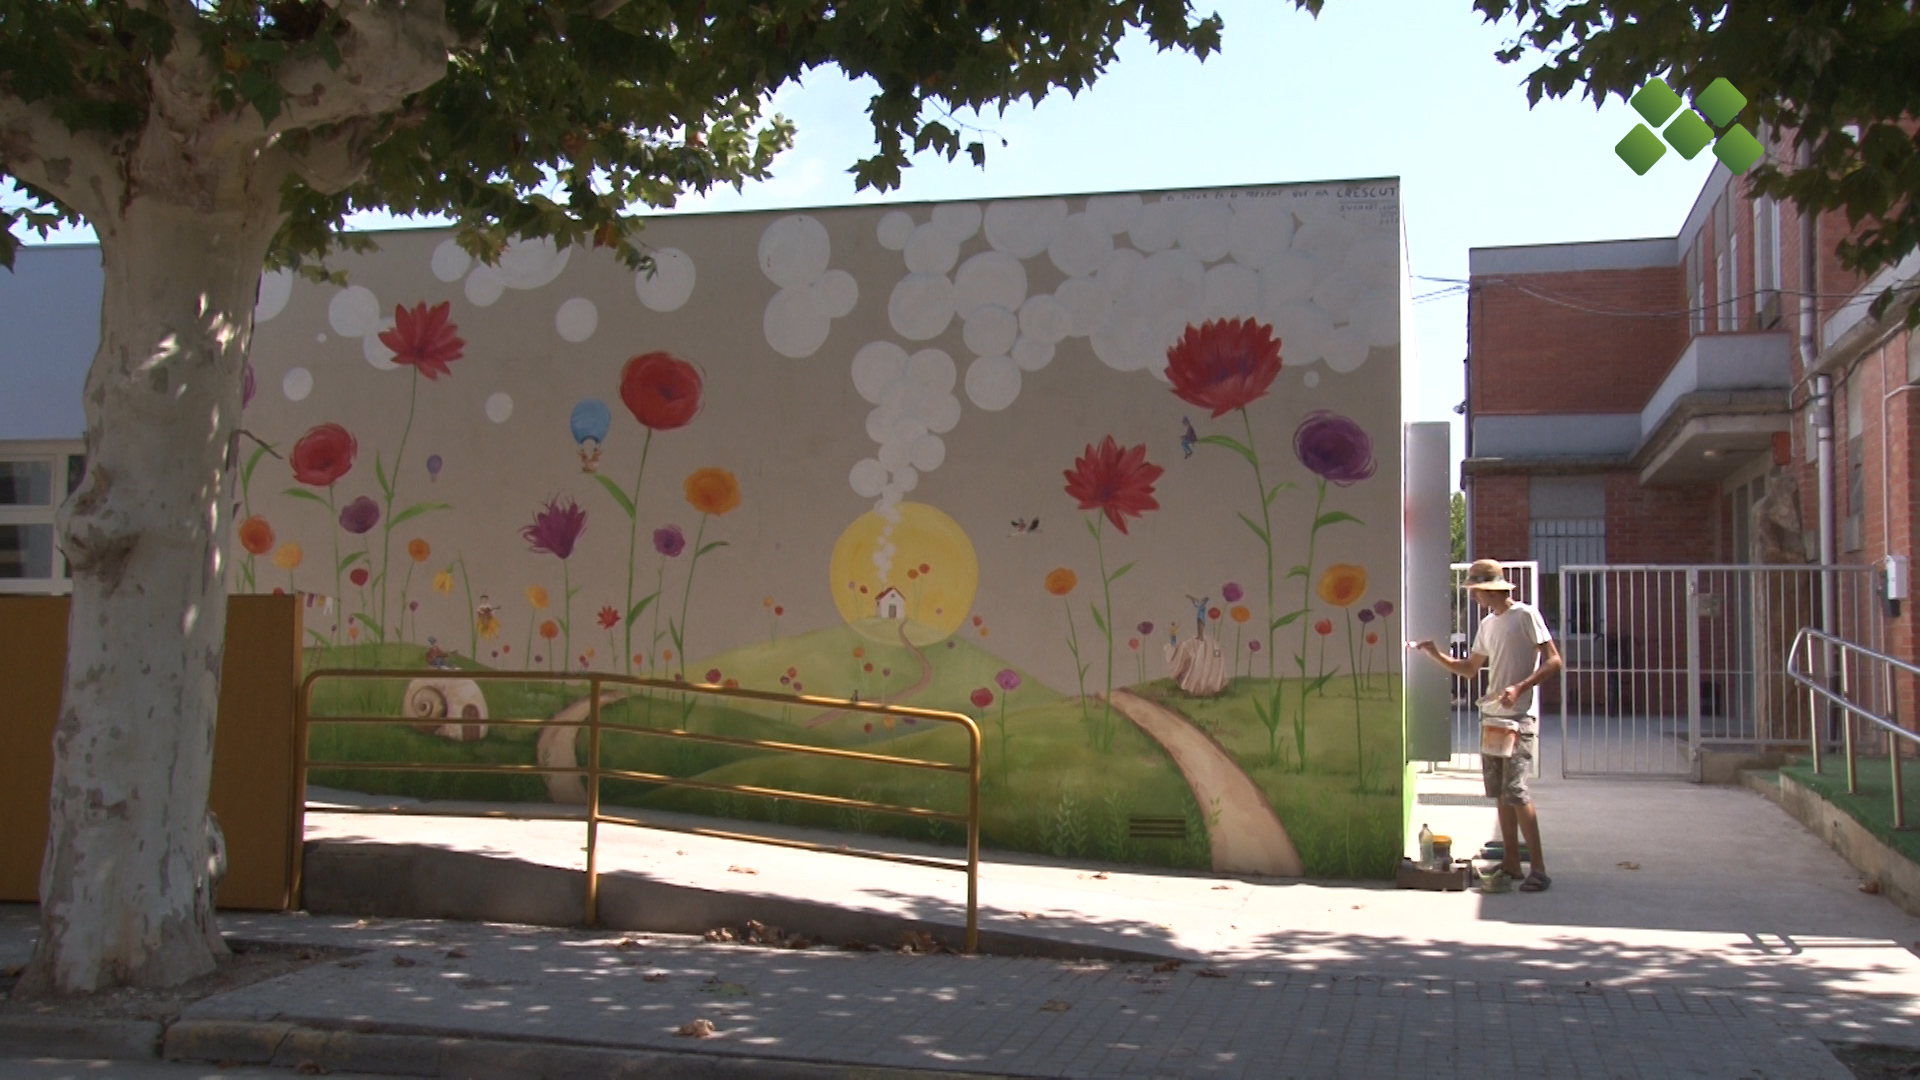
(1696, 291)
(33, 481)
(1726, 258)
(1766, 263)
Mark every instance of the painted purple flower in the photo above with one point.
(556, 527)
(1145, 628)
(1008, 679)
(1254, 645)
(360, 516)
(669, 541)
(1383, 608)
(1231, 592)
(1334, 447)
(1365, 615)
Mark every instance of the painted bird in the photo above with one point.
(1188, 437)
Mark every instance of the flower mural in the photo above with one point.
(714, 492)
(323, 455)
(288, 558)
(360, 516)
(556, 528)
(664, 393)
(424, 339)
(1117, 483)
(1224, 364)
(1060, 582)
(1342, 586)
(256, 536)
(1337, 451)
(1008, 680)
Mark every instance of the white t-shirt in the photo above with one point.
(1511, 643)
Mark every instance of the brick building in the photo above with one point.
(1655, 401)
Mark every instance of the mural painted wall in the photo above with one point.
(1116, 475)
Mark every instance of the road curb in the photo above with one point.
(442, 1057)
(75, 1037)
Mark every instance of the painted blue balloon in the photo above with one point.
(590, 420)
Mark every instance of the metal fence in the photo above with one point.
(1860, 684)
(1661, 661)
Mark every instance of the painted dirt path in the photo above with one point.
(898, 696)
(555, 748)
(1242, 830)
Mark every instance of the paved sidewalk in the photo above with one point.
(1736, 947)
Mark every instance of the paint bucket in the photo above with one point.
(1442, 852)
(1498, 736)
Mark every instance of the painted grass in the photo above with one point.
(1051, 793)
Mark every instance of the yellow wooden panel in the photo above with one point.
(33, 665)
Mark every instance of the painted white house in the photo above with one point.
(890, 605)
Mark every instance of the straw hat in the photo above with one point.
(1486, 574)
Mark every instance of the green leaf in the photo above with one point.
(1257, 530)
(316, 635)
(1284, 485)
(1234, 445)
(1322, 680)
(372, 625)
(673, 631)
(1099, 620)
(1118, 574)
(350, 558)
(1092, 529)
(640, 606)
(253, 461)
(1287, 619)
(619, 497)
(416, 510)
(1299, 571)
(709, 547)
(380, 475)
(1334, 517)
(303, 493)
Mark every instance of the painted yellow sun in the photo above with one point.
(914, 569)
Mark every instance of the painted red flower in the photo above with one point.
(1224, 364)
(661, 390)
(323, 455)
(981, 698)
(424, 338)
(1118, 482)
(609, 618)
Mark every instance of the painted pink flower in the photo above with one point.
(1231, 592)
(669, 541)
(360, 516)
(1008, 679)
(556, 527)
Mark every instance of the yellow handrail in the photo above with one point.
(593, 772)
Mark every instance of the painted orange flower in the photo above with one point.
(289, 556)
(418, 550)
(1342, 584)
(1060, 581)
(549, 629)
(537, 596)
(712, 491)
(1239, 613)
(256, 535)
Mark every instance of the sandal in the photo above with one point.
(1536, 882)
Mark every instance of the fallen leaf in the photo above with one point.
(1101, 876)
(1209, 973)
(717, 985)
(654, 976)
(404, 961)
(456, 954)
(696, 1029)
(1627, 865)
(1871, 888)
(719, 933)
(629, 943)
(311, 1068)
(1029, 915)
(1168, 965)
(1056, 1005)
(1221, 888)
(741, 870)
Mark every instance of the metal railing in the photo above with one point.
(1820, 662)
(594, 772)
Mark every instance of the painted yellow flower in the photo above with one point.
(1060, 581)
(443, 582)
(1343, 583)
(289, 556)
(537, 596)
(712, 491)
(418, 550)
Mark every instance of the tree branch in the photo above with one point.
(79, 169)
(396, 49)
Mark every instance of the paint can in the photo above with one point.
(1442, 852)
(1498, 736)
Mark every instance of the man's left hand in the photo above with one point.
(1508, 696)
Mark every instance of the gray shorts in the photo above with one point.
(1506, 778)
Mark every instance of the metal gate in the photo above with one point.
(1661, 661)
(1466, 618)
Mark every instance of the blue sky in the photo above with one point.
(1372, 88)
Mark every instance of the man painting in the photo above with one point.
(1512, 643)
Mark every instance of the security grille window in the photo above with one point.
(1855, 528)
(1766, 263)
(1557, 542)
(31, 486)
(1696, 291)
(1727, 257)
